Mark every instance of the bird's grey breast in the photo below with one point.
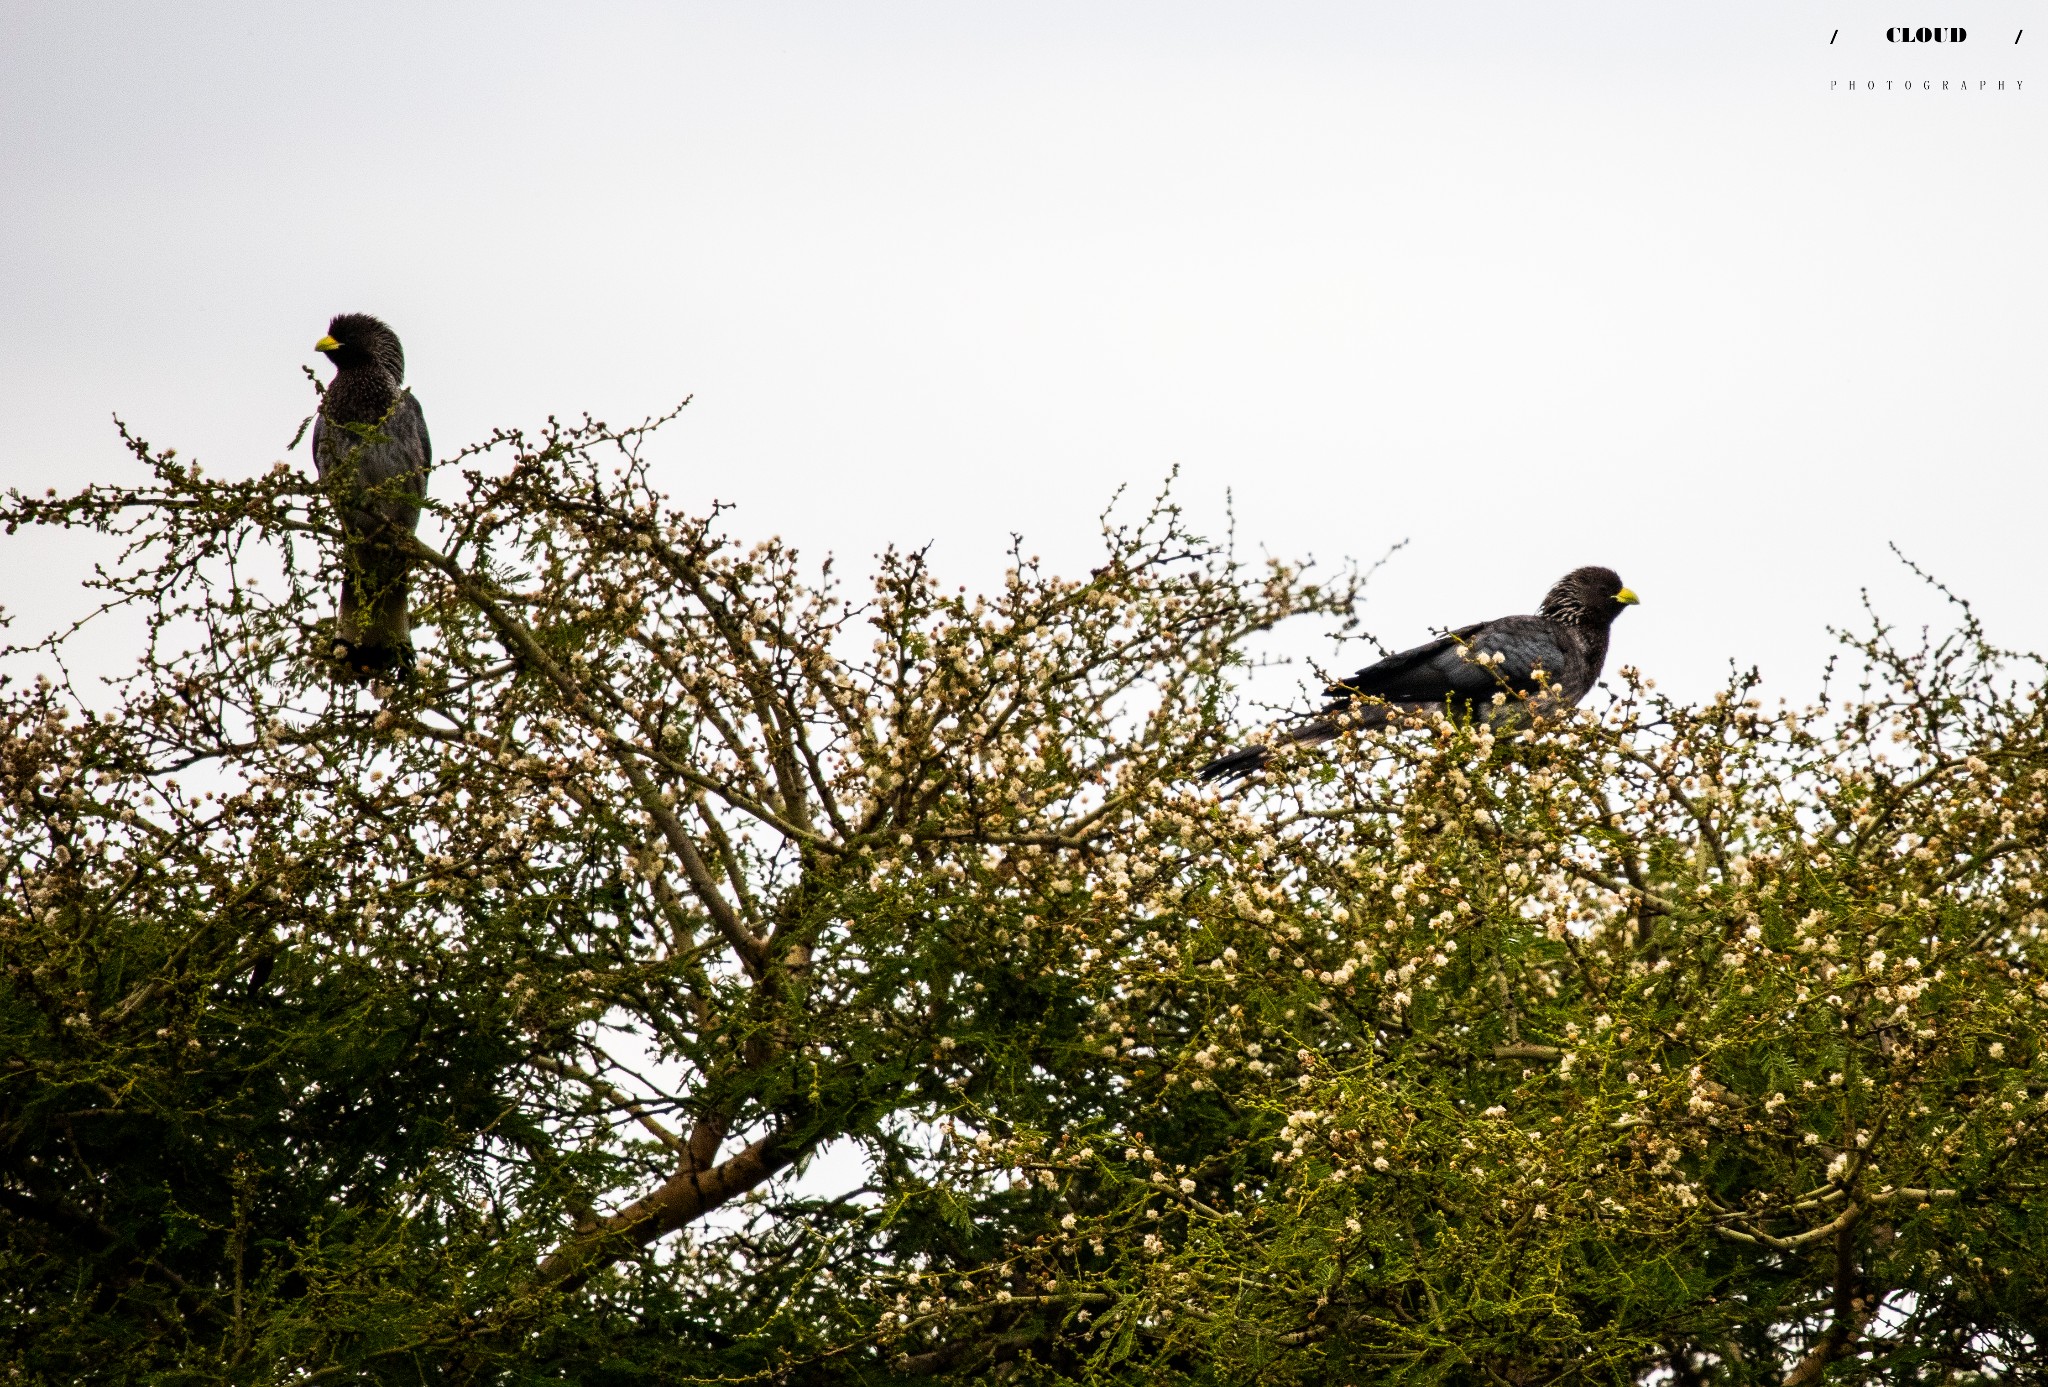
(392, 448)
(1586, 652)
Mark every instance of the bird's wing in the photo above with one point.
(427, 445)
(319, 460)
(389, 472)
(1391, 677)
(396, 465)
(1524, 644)
(412, 431)
(1445, 667)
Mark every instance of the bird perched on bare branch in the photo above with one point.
(370, 446)
(1463, 670)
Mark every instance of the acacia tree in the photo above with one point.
(1697, 1039)
(475, 1029)
(372, 1032)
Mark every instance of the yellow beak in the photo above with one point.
(1627, 597)
(327, 344)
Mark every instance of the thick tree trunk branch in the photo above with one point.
(684, 1197)
(1851, 1311)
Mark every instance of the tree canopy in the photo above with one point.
(480, 1028)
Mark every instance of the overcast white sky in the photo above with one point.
(1529, 284)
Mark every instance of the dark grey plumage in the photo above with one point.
(1463, 669)
(370, 446)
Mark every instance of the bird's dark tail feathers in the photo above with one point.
(375, 624)
(1354, 714)
(1236, 765)
(1250, 760)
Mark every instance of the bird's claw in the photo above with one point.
(366, 663)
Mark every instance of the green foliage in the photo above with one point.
(1704, 1037)
(372, 1033)
(474, 1030)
